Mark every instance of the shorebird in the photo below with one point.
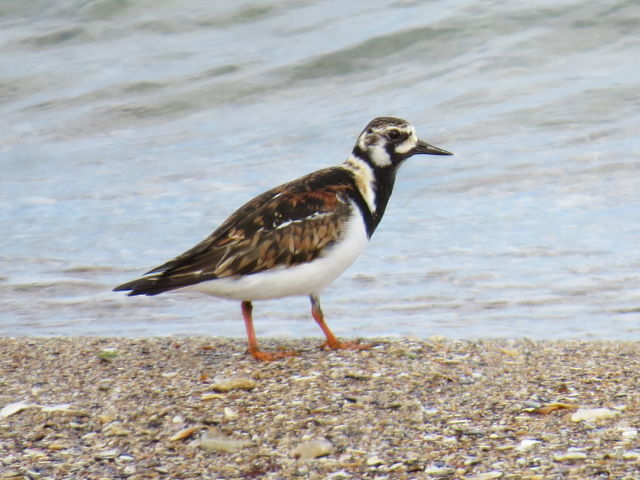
(297, 238)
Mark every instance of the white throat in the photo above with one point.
(379, 155)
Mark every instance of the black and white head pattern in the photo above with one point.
(387, 141)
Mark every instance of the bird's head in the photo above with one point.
(388, 141)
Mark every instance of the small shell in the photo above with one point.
(216, 442)
(62, 407)
(230, 414)
(182, 434)
(309, 449)
(15, 407)
(593, 414)
(486, 476)
(226, 384)
(570, 457)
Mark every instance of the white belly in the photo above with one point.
(304, 279)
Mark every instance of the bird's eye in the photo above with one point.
(394, 134)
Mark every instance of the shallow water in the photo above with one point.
(131, 130)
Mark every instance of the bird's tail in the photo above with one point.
(151, 285)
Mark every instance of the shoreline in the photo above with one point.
(199, 407)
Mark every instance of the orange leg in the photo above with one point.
(254, 351)
(332, 342)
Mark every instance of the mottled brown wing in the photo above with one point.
(287, 225)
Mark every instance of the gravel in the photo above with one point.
(165, 408)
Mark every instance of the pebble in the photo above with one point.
(357, 375)
(629, 434)
(510, 352)
(14, 408)
(12, 474)
(18, 407)
(439, 471)
(211, 396)
(105, 384)
(570, 456)
(116, 429)
(485, 476)
(526, 444)
(62, 407)
(230, 414)
(217, 442)
(314, 448)
(374, 461)
(108, 354)
(182, 434)
(107, 454)
(339, 475)
(631, 456)
(305, 378)
(593, 414)
(226, 384)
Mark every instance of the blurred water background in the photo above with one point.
(130, 129)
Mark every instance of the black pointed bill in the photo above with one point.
(425, 148)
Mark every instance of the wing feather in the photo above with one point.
(287, 225)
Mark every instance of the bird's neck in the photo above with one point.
(374, 184)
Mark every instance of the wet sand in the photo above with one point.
(201, 408)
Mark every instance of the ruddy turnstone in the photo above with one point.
(297, 238)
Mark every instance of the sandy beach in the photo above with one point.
(165, 408)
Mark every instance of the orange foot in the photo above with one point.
(271, 356)
(337, 345)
